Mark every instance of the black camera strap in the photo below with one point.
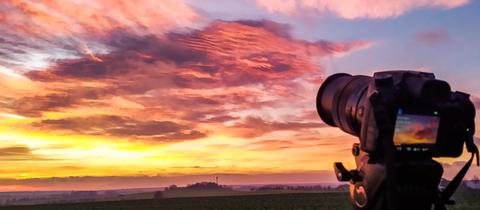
(452, 186)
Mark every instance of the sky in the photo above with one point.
(104, 94)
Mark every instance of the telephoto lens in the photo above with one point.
(341, 100)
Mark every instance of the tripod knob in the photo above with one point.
(341, 172)
(345, 175)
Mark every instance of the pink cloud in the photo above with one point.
(69, 17)
(194, 82)
(432, 37)
(36, 32)
(352, 9)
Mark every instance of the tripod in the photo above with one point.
(397, 183)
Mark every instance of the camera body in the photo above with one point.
(402, 119)
(427, 118)
(419, 113)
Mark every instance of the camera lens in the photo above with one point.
(340, 100)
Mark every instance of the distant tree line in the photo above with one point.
(198, 186)
(301, 188)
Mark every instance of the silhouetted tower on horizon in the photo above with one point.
(216, 180)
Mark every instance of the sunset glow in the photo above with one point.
(144, 89)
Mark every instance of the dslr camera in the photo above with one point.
(403, 119)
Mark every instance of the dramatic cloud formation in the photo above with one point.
(162, 102)
(175, 79)
(352, 9)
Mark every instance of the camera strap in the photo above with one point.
(447, 193)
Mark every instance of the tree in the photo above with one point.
(172, 187)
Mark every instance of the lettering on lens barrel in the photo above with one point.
(403, 119)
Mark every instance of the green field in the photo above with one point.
(467, 199)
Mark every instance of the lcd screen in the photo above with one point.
(415, 129)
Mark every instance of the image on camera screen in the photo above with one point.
(415, 129)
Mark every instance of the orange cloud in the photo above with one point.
(352, 9)
(18, 153)
(123, 127)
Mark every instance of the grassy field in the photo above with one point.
(467, 199)
(330, 201)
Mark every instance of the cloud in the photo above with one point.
(68, 17)
(186, 135)
(19, 153)
(256, 122)
(34, 32)
(35, 105)
(353, 9)
(272, 145)
(14, 151)
(131, 53)
(281, 30)
(122, 127)
(149, 128)
(218, 119)
(255, 126)
(214, 52)
(432, 37)
(183, 85)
